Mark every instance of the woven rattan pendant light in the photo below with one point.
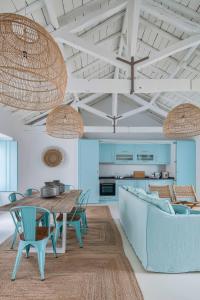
(32, 70)
(183, 121)
(64, 122)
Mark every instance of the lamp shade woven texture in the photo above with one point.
(33, 74)
(64, 122)
(182, 121)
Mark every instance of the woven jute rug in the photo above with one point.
(99, 271)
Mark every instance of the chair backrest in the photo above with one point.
(28, 216)
(85, 198)
(79, 203)
(184, 193)
(164, 191)
(31, 191)
(14, 196)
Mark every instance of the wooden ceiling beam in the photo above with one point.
(122, 86)
(116, 74)
(30, 8)
(178, 68)
(137, 99)
(162, 13)
(92, 18)
(123, 129)
(186, 11)
(133, 17)
(49, 4)
(192, 41)
(91, 49)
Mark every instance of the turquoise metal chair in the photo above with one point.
(31, 192)
(68, 187)
(32, 236)
(81, 209)
(12, 198)
(73, 220)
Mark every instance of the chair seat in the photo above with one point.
(41, 233)
(70, 217)
(78, 210)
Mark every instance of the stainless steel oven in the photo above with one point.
(107, 187)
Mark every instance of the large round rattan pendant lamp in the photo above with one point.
(183, 121)
(64, 122)
(32, 70)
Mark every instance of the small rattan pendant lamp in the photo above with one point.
(32, 70)
(183, 121)
(64, 122)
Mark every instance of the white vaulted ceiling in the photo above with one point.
(162, 23)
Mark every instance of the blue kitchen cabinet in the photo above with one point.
(106, 153)
(88, 168)
(158, 154)
(186, 163)
(163, 154)
(124, 154)
(145, 153)
(140, 184)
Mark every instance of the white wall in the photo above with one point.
(32, 170)
(8, 123)
(127, 170)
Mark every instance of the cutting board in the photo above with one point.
(139, 174)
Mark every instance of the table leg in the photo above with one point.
(64, 233)
(64, 239)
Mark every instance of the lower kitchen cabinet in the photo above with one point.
(88, 168)
(142, 184)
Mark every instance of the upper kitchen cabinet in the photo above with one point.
(124, 153)
(88, 168)
(145, 154)
(153, 154)
(106, 153)
(135, 153)
(163, 155)
(186, 163)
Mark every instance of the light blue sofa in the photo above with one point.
(165, 238)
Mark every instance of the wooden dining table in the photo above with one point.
(60, 204)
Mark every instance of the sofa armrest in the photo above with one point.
(173, 242)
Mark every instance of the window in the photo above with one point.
(8, 165)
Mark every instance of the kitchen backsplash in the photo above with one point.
(127, 170)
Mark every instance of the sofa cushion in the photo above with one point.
(163, 204)
(181, 209)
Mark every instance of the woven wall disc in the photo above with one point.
(32, 70)
(52, 157)
(183, 121)
(64, 122)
